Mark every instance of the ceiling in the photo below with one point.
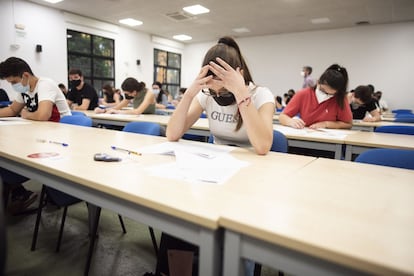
(261, 17)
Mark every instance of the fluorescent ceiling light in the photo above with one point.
(182, 37)
(321, 20)
(196, 9)
(130, 22)
(241, 30)
(53, 1)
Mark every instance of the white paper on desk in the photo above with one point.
(201, 149)
(193, 167)
(320, 132)
(8, 121)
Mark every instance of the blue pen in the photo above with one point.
(52, 142)
(126, 150)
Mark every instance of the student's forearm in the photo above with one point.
(259, 131)
(338, 125)
(177, 122)
(7, 112)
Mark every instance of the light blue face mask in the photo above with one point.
(19, 87)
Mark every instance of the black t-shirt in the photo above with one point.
(87, 92)
(359, 113)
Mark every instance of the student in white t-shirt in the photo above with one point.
(38, 99)
(239, 112)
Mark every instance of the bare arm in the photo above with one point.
(43, 112)
(11, 110)
(189, 110)
(375, 116)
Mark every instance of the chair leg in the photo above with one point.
(154, 241)
(121, 221)
(257, 269)
(62, 225)
(92, 240)
(39, 215)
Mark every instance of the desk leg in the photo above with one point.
(338, 151)
(210, 253)
(348, 152)
(232, 262)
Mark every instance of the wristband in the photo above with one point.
(245, 100)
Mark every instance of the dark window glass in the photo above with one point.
(167, 70)
(93, 55)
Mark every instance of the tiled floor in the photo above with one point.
(115, 253)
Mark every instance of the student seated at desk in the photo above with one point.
(143, 100)
(161, 96)
(38, 99)
(363, 106)
(239, 112)
(322, 106)
(82, 95)
(111, 97)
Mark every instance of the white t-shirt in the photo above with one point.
(222, 121)
(45, 90)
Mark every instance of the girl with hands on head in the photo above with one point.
(322, 106)
(239, 112)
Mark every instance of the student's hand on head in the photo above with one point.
(199, 83)
(297, 123)
(231, 79)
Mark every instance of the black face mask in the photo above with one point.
(225, 100)
(129, 97)
(74, 83)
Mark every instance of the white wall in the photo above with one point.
(47, 26)
(382, 55)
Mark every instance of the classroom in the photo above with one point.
(380, 53)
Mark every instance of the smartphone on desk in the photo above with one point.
(105, 157)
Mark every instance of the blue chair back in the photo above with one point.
(404, 118)
(76, 113)
(77, 120)
(143, 128)
(398, 158)
(408, 130)
(280, 142)
(400, 111)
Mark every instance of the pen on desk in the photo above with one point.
(52, 142)
(126, 150)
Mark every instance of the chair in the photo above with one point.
(64, 200)
(77, 113)
(400, 111)
(3, 245)
(77, 120)
(409, 130)
(143, 128)
(398, 158)
(149, 129)
(404, 118)
(280, 142)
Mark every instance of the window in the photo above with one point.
(94, 56)
(167, 70)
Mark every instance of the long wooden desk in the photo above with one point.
(329, 140)
(185, 210)
(199, 128)
(360, 125)
(359, 142)
(332, 217)
(179, 208)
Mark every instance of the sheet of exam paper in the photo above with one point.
(204, 163)
(320, 132)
